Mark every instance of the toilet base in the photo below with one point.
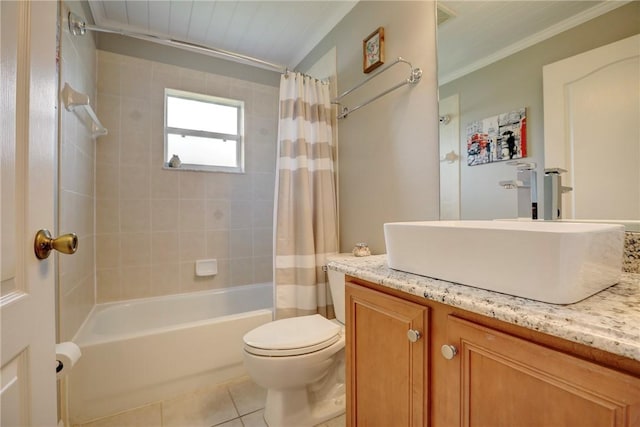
(296, 408)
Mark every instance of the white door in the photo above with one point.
(592, 129)
(28, 93)
(449, 158)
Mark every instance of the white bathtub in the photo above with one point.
(141, 351)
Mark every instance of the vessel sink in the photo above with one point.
(553, 262)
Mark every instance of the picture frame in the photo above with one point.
(373, 50)
(501, 137)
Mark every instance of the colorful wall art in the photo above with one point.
(497, 138)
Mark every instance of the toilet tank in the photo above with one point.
(336, 284)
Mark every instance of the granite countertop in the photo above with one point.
(608, 320)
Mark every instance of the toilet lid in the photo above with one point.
(293, 333)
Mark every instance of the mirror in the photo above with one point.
(491, 57)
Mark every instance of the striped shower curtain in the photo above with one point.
(305, 202)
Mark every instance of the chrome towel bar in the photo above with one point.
(414, 77)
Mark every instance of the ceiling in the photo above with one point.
(284, 32)
(280, 32)
(482, 32)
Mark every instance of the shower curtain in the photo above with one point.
(305, 229)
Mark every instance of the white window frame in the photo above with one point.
(239, 137)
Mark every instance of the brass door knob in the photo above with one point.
(44, 243)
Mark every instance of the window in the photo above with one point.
(205, 132)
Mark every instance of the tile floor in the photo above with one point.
(239, 403)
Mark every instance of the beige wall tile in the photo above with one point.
(135, 215)
(264, 186)
(165, 184)
(241, 186)
(136, 82)
(241, 214)
(217, 85)
(192, 245)
(135, 249)
(218, 244)
(107, 181)
(135, 115)
(107, 251)
(134, 182)
(263, 242)
(192, 215)
(262, 215)
(192, 185)
(165, 215)
(240, 243)
(165, 279)
(136, 282)
(108, 109)
(107, 216)
(222, 279)
(108, 285)
(164, 248)
(241, 271)
(263, 269)
(189, 282)
(178, 216)
(218, 186)
(136, 149)
(109, 75)
(217, 214)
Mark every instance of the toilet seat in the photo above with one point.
(292, 337)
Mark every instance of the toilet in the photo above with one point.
(300, 362)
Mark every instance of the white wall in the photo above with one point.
(388, 150)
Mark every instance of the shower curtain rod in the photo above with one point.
(78, 27)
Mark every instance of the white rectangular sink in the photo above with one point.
(554, 262)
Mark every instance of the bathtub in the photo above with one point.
(141, 351)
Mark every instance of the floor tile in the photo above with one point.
(254, 419)
(148, 416)
(340, 421)
(232, 423)
(204, 408)
(247, 395)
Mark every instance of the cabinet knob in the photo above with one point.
(413, 335)
(448, 351)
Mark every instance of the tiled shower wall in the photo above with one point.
(76, 273)
(152, 224)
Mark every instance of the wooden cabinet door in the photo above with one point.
(507, 381)
(386, 372)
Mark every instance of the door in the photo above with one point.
(386, 371)
(592, 129)
(449, 157)
(500, 380)
(27, 178)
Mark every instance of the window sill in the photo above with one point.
(189, 168)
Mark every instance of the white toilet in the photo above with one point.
(300, 361)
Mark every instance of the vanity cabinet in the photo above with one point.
(469, 370)
(387, 359)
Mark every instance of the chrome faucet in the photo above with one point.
(553, 190)
(526, 184)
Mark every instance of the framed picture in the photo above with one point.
(497, 138)
(373, 50)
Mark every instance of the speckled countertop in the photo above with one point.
(609, 320)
